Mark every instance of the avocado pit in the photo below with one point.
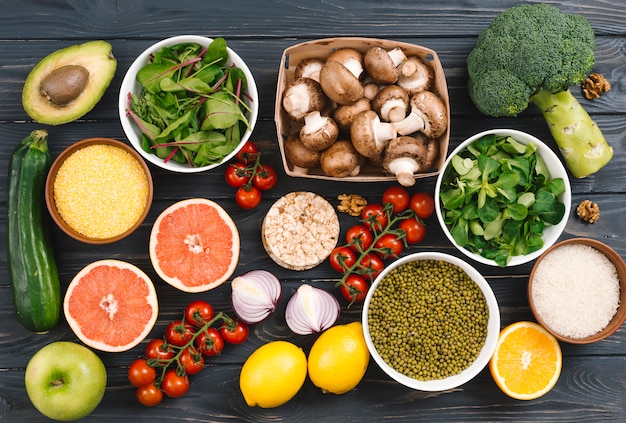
(65, 84)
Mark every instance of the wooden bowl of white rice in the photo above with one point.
(577, 290)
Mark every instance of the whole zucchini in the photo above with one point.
(32, 269)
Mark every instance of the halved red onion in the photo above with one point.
(255, 295)
(311, 310)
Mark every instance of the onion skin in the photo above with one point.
(255, 295)
(311, 310)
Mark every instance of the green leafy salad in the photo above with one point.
(191, 108)
(498, 197)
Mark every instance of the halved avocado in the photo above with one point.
(68, 83)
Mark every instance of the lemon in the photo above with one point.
(338, 359)
(273, 374)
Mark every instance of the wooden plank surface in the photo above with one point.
(591, 387)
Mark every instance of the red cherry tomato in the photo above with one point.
(179, 333)
(140, 373)
(355, 288)
(398, 197)
(374, 217)
(237, 175)
(342, 258)
(174, 385)
(158, 349)
(199, 312)
(248, 153)
(415, 230)
(359, 237)
(149, 395)
(210, 342)
(423, 204)
(265, 178)
(248, 198)
(235, 335)
(371, 265)
(390, 245)
(191, 360)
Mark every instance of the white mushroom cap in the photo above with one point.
(318, 132)
(415, 75)
(428, 115)
(301, 97)
(369, 135)
(381, 64)
(405, 156)
(339, 84)
(341, 160)
(391, 103)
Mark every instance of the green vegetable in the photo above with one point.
(498, 197)
(190, 109)
(534, 54)
(32, 269)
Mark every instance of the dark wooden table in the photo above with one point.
(592, 386)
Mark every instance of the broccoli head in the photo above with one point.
(533, 53)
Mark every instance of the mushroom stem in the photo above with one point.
(404, 168)
(405, 156)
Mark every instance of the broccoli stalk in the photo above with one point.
(534, 54)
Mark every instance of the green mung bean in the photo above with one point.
(428, 319)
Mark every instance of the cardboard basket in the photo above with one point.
(322, 48)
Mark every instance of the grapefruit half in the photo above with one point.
(194, 245)
(111, 305)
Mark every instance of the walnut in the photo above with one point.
(595, 85)
(588, 211)
(353, 204)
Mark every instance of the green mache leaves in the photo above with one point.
(191, 107)
(498, 197)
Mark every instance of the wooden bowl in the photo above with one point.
(620, 315)
(71, 230)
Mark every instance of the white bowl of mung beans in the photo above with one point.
(431, 321)
(98, 190)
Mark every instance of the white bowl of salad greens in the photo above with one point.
(188, 103)
(503, 197)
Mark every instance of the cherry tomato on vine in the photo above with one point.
(390, 245)
(248, 153)
(157, 349)
(265, 177)
(179, 333)
(199, 312)
(191, 360)
(140, 373)
(210, 342)
(149, 395)
(175, 385)
(414, 229)
(374, 217)
(374, 265)
(359, 237)
(237, 175)
(354, 288)
(398, 197)
(423, 204)
(342, 258)
(236, 335)
(248, 197)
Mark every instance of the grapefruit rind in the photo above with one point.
(179, 273)
(92, 306)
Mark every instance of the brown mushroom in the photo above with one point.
(301, 97)
(309, 68)
(301, 158)
(344, 115)
(351, 58)
(391, 103)
(339, 84)
(415, 75)
(318, 132)
(428, 115)
(341, 160)
(405, 156)
(432, 153)
(369, 135)
(382, 65)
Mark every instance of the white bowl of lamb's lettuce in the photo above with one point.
(188, 103)
(503, 197)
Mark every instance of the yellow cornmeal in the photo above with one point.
(101, 191)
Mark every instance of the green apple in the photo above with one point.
(65, 380)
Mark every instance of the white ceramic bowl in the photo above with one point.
(493, 327)
(130, 85)
(551, 233)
